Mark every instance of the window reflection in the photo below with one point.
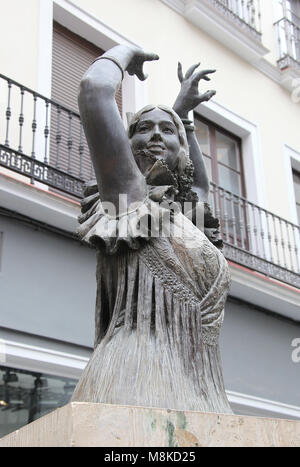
(296, 179)
(230, 180)
(26, 396)
(207, 162)
(227, 152)
(222, 156)
(202, 134)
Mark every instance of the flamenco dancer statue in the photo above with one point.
(160, 296)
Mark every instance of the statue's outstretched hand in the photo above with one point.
(135, 66)
(189, 96)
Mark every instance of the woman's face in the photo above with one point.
(156, 135)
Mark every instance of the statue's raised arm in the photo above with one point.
(115, 168)
(187, 100)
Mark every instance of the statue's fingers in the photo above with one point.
(202, 75)
(138, 69)
(207, 96)
(210, 94)
(179, 72)
(150, 57)
(191, 70)
(130, 71)
(140, 74)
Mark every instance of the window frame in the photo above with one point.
(212, 129)
(292, 162)
(297, 173)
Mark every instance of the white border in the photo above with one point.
(39, 359)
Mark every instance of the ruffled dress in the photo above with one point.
(159, 310)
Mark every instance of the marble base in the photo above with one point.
(85, 424)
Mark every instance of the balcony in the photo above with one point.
(245, 13)
(43, 142)
(234, 23)
(257, 238)
(288, 38)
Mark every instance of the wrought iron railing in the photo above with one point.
(256, 237)
(246, 13)
(44, 141)
(288, 37)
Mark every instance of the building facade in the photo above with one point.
(249, 135)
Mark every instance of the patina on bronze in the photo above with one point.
(160, 298)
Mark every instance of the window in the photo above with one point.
(296, 179)
(222, 155)
(26, 396)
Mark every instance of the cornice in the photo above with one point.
(39, 204)
(265, 292)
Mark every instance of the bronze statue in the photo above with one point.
(160, 297)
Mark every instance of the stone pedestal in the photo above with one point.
(85, 424)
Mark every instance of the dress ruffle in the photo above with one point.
(131, 229)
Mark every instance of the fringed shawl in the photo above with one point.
(159, 310)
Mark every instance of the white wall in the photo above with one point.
(19, 40)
